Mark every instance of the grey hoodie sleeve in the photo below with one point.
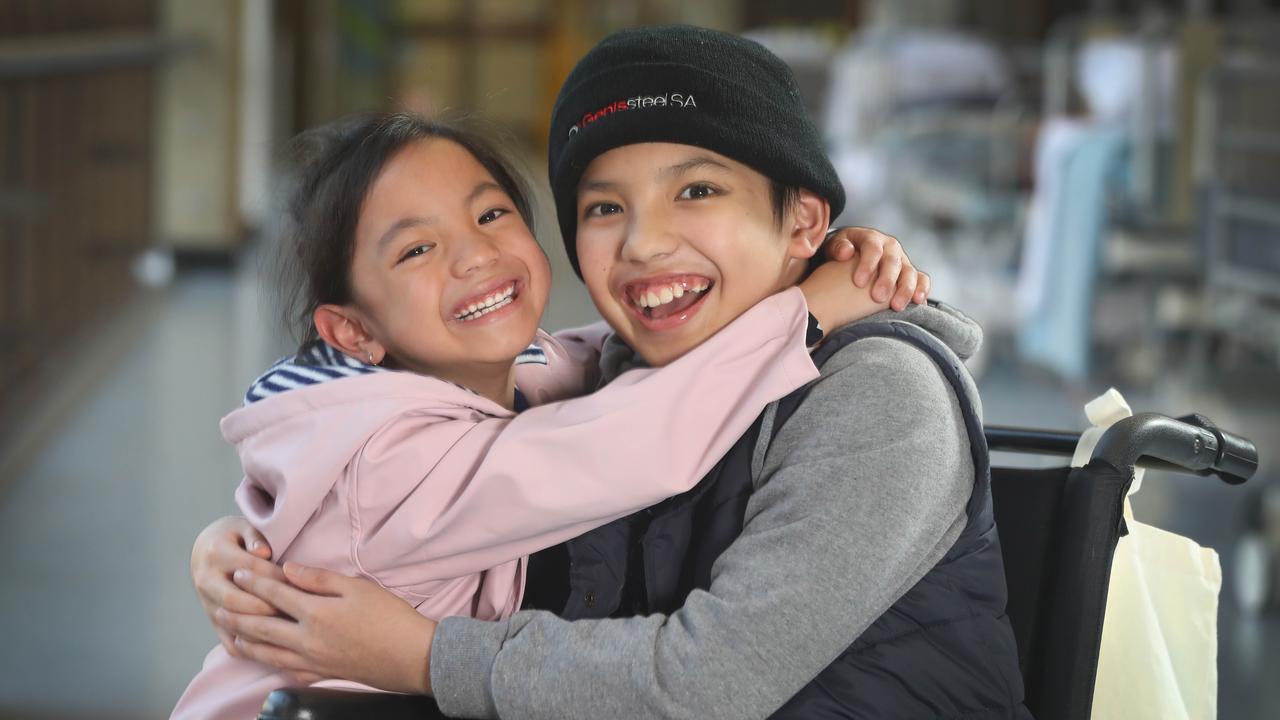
(861, 493)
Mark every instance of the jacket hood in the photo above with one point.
(957, 331)
(295, 445)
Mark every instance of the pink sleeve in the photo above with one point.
(509, 487)
(573, 364)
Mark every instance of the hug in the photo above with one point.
(762, 490)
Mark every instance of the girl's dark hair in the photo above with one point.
(332, 168)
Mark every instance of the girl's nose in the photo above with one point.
(475, 254)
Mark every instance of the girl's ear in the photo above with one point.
(808, 219)
(340, 326)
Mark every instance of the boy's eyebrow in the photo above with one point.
(692, 164)
(481, 188)
(600, 185)
(671, 171)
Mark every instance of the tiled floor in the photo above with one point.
(97, 617)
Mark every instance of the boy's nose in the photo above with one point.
(474, 254)
(648, 240)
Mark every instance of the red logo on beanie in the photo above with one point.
(639, 102)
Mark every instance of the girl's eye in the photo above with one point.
(602, 209)
(491, 215)
(415, 251)
(697, 191)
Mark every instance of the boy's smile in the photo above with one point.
(676, 241)
(666, 301)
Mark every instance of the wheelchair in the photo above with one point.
(1058, 529)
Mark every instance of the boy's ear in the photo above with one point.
(340, 326)
(808, 219)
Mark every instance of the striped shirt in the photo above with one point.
(320, 363)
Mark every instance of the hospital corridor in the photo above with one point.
(1094, 182)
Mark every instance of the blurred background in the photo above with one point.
(1096, 181)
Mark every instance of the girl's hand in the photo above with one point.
(227, 545)
(337, 627)
(880, 257)
(835, 301)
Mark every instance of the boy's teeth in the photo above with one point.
(661, 296)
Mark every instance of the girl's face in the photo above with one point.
(447, 277)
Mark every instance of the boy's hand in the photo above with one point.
(333, 626)
(835, 301)
(880, 257)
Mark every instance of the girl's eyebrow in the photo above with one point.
(402, 224)
(407, 222)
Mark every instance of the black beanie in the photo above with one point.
(686, 85)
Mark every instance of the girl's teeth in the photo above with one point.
(666, 296)
(488, 302)
(678, 291)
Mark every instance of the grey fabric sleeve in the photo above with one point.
(861, 493)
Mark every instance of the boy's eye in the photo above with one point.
(415, 251)
(602, 209)
(697, 191)
(491, 215)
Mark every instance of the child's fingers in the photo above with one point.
(228, 558)
(871, 253)
(227, 641)
(277, 631)
(239, 601)
(840, 249)
(272, 655)
(890, 271)
(923, 286)
(316, 580)
(906, 290)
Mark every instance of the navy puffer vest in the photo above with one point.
(944, 649)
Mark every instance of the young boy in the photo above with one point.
(841, 561)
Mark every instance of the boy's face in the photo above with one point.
(676, 241)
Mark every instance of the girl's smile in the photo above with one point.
(446, 278)
(489, 304)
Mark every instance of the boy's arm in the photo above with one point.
(854, 507)
(436, 500)
(572, 368)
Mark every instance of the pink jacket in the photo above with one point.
(438, 494)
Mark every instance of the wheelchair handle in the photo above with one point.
(1193, 444)
(1148, 440)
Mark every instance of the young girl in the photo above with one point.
(389, 447)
